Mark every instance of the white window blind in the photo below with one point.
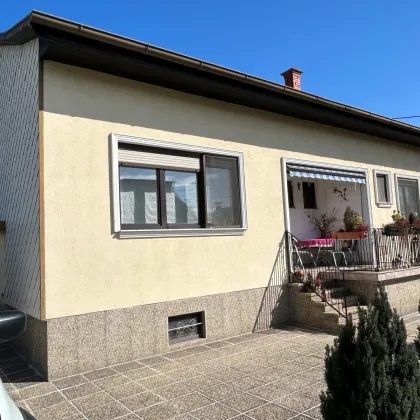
(156, 160)
(127, 206)
(150, 204)
(170, 207)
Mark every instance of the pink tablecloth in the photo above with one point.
(316, 242)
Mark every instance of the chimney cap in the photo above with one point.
(292, 70)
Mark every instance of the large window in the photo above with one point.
(172, 189)
(408, 195)
(157, 198)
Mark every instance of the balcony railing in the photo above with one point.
(375, 250)
(322, 269)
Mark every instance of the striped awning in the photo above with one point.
(326, 173)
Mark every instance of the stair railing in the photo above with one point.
(318, 273)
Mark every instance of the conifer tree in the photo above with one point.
(417, 341)
(371, 372)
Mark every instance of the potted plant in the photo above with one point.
(354, 227)
(324, 222)
(298, 275)
(400, 226)
(414, 222)
(307, 287)
(318, 283)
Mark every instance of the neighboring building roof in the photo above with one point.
(79, 45)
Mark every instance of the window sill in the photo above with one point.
(180, 233)
(384, 205)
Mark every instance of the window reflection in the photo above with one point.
(138, 191)
(181, 197)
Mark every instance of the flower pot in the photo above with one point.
(297, 278)
(350, 235)
(402, 231)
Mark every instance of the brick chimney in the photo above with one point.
(292, 78)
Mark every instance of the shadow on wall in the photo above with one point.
(101, 97)
(274, 310)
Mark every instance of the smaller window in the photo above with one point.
(185, 327)
(290, 194)
(383, 189)
(309, 198)
(222, 191)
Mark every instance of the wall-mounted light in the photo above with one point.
(298, 186)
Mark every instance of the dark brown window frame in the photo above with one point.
(201, 192)
(234, 186)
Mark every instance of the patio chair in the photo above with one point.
(299, 254)
(333, 254)
(352, 251)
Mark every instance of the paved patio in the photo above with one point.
(271, 375)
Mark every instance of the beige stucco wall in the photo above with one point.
(88, 270)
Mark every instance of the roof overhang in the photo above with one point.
(78, 45)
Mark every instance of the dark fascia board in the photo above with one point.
(20, 33)
(75, 44)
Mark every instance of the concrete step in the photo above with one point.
(332, 315)
(351, 300)
(329, 275)
(412, 318)
(333, 292)
(350, 309)
(353, 311)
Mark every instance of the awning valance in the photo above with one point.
(341, 175)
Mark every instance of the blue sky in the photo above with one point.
(361, 52)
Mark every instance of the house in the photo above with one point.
(144, 194)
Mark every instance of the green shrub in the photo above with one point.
(417, 341)
(351, 219)
(371, 372)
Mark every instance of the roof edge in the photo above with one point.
(10, 35)
(16, 35)
(138, 46)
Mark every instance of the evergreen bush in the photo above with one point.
(371, 371)
(417, 341)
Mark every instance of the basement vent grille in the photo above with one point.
(185, 327)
